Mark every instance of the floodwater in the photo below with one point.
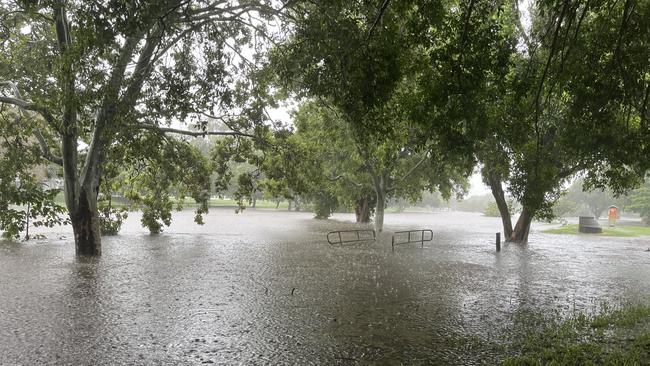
(265, 288)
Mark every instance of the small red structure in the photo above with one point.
(612, 215)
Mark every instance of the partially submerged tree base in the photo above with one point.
(520, 232)
(363, 210)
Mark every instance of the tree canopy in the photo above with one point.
(107, 82)
(575, 101)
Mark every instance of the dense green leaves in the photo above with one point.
(640, 202)
(573, 103)
(106, 80)
(24, 197)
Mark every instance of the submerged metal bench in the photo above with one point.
(340, 239)
(418, 237)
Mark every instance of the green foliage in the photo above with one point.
(640, 202)
(177, 167)
(564, 207)
(111, 218)
(113, 77)
(324, 205)
(492, 210)
(595, 201)
(600, 339)
(23, 197)
(276, 163)
(572, 103)
(382, 104)
(618, 231)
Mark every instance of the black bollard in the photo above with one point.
(498, 242)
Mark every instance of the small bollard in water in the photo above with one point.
(498, 242)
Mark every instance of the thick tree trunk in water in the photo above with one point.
(502, 204)
(362, 210)
(85, 224)
(522, 228)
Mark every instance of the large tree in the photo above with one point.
(393, 166)
(402, 75)
(96, 75)
(574, 101)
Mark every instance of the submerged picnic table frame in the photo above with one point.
(341, 240)
(420, 240)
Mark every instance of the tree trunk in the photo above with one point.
(380, 191)
(254, 201)
(290, 203)
(29, 206)
(85, 224)
(379, 213)
(362, 210)
(522, 228)
(502, 204)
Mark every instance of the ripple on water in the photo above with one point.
(264, 287)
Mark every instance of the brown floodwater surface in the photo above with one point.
(265, 288)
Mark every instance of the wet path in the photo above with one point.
(266, 288)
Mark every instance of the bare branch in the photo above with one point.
(222, 119)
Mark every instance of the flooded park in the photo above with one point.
(265, 288)
(422, 182)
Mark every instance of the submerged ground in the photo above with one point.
(264, 287)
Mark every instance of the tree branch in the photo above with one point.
(25, 107)
(142, 68)
(162, 51)
(413, 169)
(377, 18)
(356, 184)
(45, 149)
(193, 133)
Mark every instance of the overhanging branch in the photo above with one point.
(26, 107)
(29, 106)
(45, 149)
(194, 133)
(347, 178)
(408, 174)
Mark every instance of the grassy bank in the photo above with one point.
(611, 337)
(619, 231)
